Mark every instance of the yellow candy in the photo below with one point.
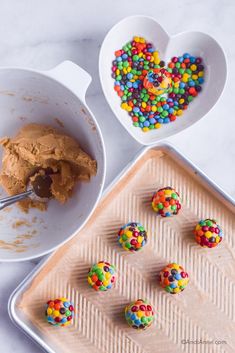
(128, 69)
(181, 282)
(139, 239)
(168, 192)
(125, 71)
(124, 106)
(176, 266)
(193, 67)
(201, 74)
(179, 112)
(128, 234)
(101, 265)
(154, 108)
(181, 101)
(194, 77)
(105, 283)
(217, 239)
(63, 299)
(142, 40)
(89, 280)
(56, 313)
(152, 59)
(208, 234)
(137, 39)
(157, 126)
(140, 55)
(107, 275)
(144, 105)
(117, 72)
(156, 57)
(198, 227)
(145, 129)
(129, 109)
(176, 290)
(49, 311)
(140, 313)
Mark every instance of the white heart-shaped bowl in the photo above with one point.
(57, 98)
(195, 43)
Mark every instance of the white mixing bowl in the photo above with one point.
(57, 98)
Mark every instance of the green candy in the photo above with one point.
(164, 113)
(125, 63)
(168, 289)
(160, 206)
(144, 319)
(177, 65)
(141, 229)
(142, 119)
(127, 245)
(190, 98)
(151, 127)
(160, 109)
(209, 223)
(68, 313)
(103, 288)
(101, 277)
(135, 58)
(136, 124)
(173, 207)
(174, 196)
(124, 237)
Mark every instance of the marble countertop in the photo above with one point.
(41, 34)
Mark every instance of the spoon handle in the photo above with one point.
(7, 201)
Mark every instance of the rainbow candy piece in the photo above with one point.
(208, 233)
(139, 314)
(59, 312)
(102, 276)
(173, 278)
(132, 236)
(166, 202)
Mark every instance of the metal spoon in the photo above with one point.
(40, 187)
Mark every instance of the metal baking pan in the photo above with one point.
(197, 314)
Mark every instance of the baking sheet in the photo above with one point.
(201, 319)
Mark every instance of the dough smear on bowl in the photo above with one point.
(42, 149)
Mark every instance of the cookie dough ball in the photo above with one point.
(158, 81)
(166, 202)
(102, 276)
(132, 236)
(139, 314)
(173, 278)
(59, 312)
(208, 233)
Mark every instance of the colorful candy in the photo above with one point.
(102, 276)
(166, 202)
(132, 236)
(152, 93)
(59, 312)
(173, 278)
(208, 233)
(139, 314)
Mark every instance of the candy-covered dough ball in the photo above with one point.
(157, 81)
(59, 312)
(173, 278)
(132, 236)
(166, 202)
(102, 276)
(208, 233)
(139, 314)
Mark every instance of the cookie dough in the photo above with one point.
(173, 278)
(139, 314)
(132, 236)
(42, 149)
(102, 276)
(59, 312)
(208, 233)
(166, 202)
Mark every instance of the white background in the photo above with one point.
(41, 34)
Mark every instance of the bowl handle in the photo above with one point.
(72, 76)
